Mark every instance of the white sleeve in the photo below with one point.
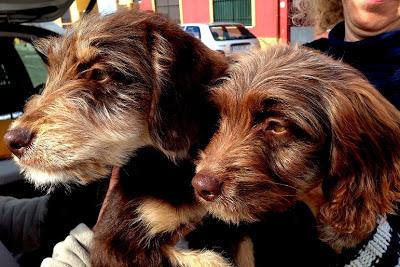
(73, 251)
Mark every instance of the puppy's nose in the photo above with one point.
(207, 186)
(17, 140)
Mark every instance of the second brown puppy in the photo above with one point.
(299, 126)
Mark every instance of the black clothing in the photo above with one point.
(31, 227)
(377, 57)
(21, 222)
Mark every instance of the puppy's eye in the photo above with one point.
(276, 126)
(99, 75)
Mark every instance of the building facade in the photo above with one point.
(267, 19)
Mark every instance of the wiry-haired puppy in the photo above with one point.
(118, 83)
(296, 125)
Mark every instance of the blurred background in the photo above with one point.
(268, 20)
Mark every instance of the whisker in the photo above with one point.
(282, 184)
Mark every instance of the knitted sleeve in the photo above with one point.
(73, 251)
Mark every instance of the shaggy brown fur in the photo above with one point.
(297, 125)
(117, 83)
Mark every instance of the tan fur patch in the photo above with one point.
(195, 258)
(245, 253)
(162, 217)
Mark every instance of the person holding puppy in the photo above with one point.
(363, 33)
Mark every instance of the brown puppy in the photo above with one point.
(117, 83)
(297, 125)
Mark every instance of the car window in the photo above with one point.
(230, 32)
(194, 31)
(33, 62)
(22, 72)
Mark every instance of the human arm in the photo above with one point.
(21, 222)
(73, 251)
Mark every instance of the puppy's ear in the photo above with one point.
(165, 117)
(363, 181)
(183, 69)
(44, 45)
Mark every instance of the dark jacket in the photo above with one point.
(30, 227)
(377, 57)
(21, 222)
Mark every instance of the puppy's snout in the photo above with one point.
(207, 186)
(17, 140)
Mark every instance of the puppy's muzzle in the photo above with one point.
(207, 186)
(17, 140)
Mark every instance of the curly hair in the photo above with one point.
(323, 14)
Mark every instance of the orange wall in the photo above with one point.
(266, 14)
(146, 5)
(195, 11)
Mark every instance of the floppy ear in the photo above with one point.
(44, 45)
(183, 70)
(364, 177)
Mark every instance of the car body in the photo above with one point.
(225, 37)
(22, 68)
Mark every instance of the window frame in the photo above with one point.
(156, 7)
(193, 26)
(251, 20)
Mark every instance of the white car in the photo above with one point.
(224, 37)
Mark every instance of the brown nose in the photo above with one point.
(207, 186)
(17, 140)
